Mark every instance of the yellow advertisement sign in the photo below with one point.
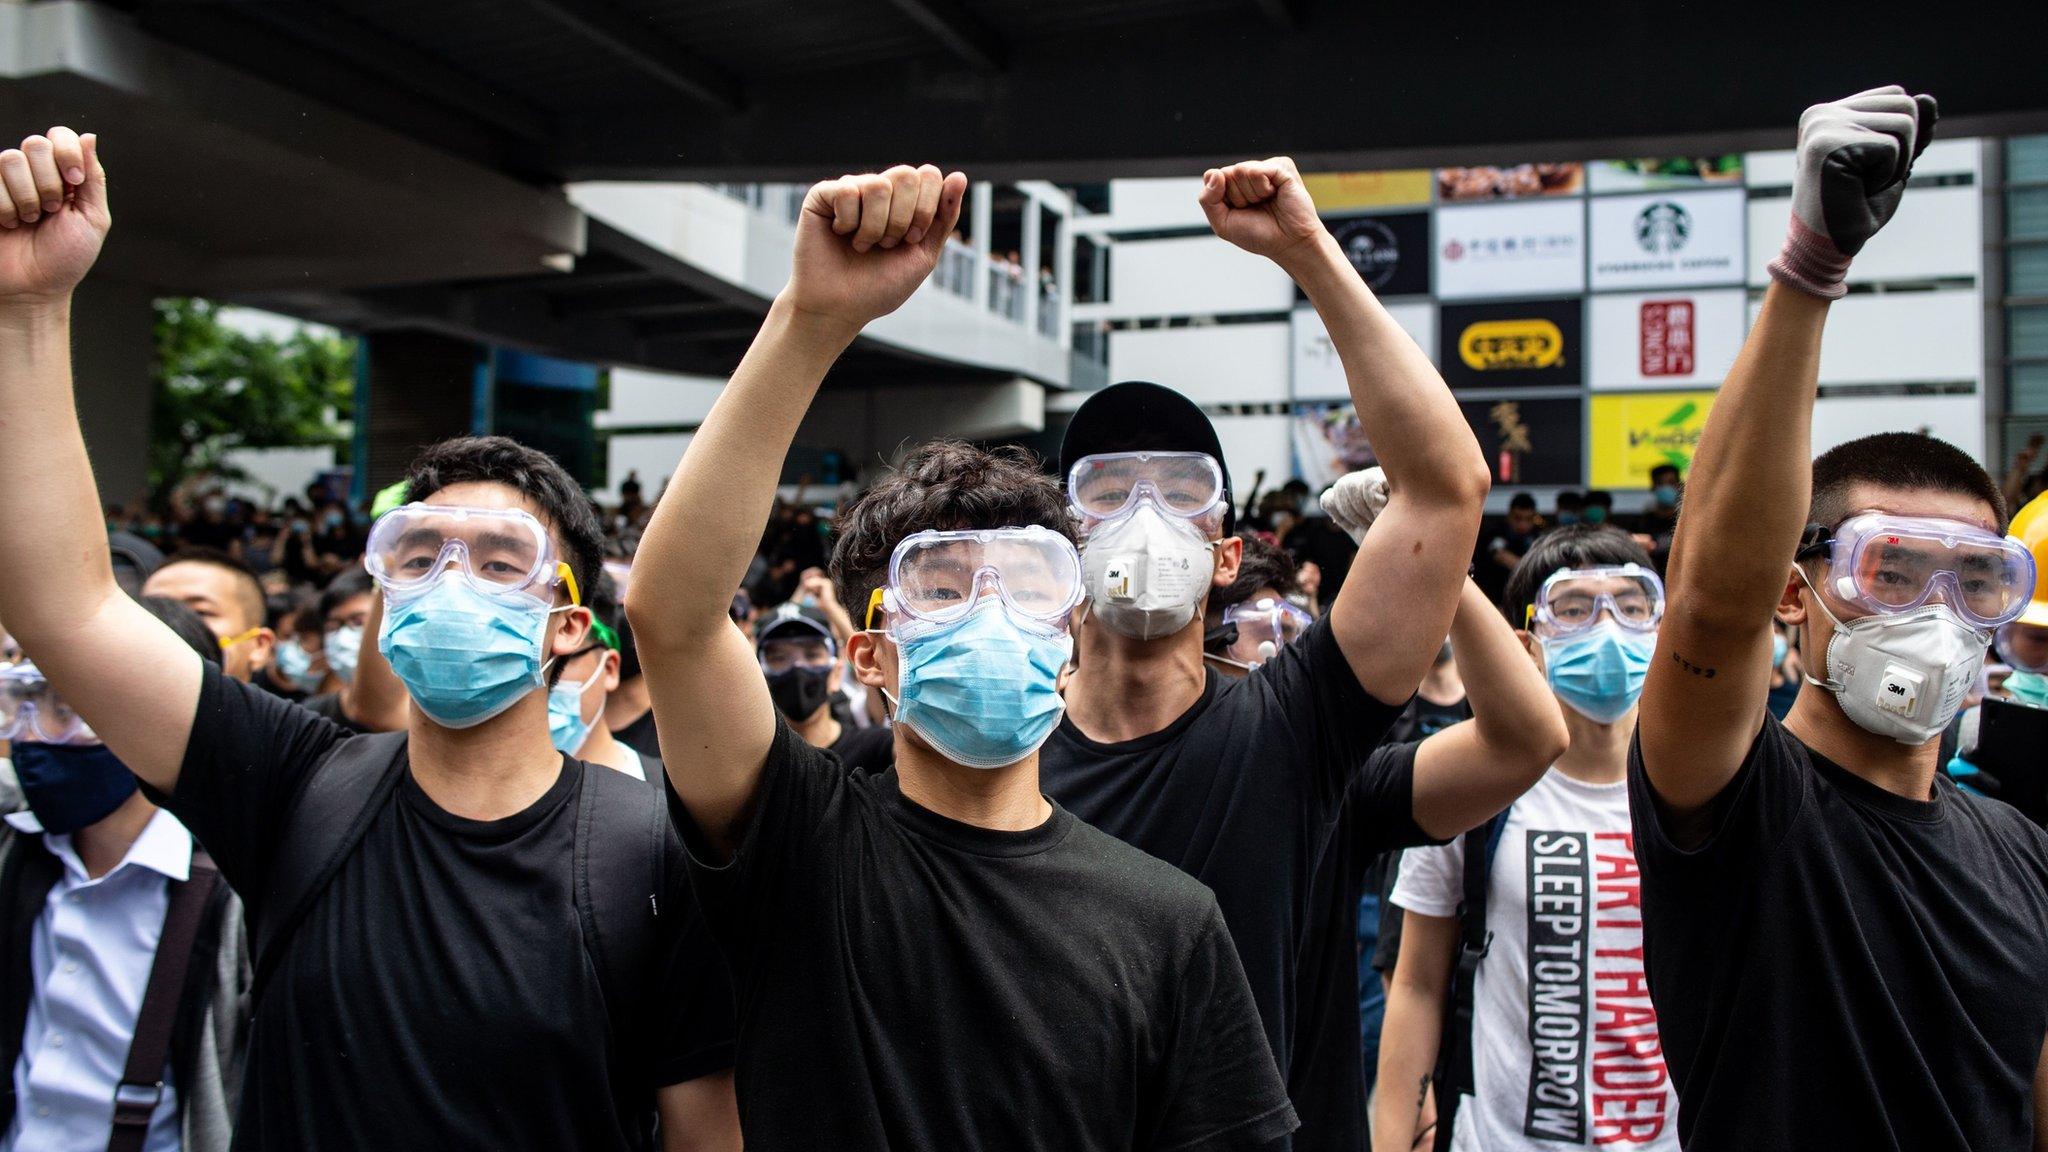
(1490, 344)
(1344, 191)
(1634, 433)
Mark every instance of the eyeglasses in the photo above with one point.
(500, 551)
(938, 577)
(1184, 484)
(1887, 564)
(1573, 600)
(32, 712)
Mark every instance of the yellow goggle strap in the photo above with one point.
(228, 642)
(876, 601)
(569, 577)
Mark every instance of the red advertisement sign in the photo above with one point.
(1667, 348)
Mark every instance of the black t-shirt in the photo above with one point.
(1241, 792)
(438, 993)
(1422, 719)
(640, 736)
(865, 749)
(328, 707)
(1841, 967)
(1326, 1077)
(910, 982)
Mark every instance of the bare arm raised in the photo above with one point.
(127, 674)
(1746, 500)
(864, 244)
(1391, 625)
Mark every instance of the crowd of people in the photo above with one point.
(1005, 807)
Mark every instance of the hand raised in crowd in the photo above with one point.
(866, 242)
(1854, 157)
(1356, 500)
(53, 215)
(1261, 206)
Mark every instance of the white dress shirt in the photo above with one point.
(91, 954)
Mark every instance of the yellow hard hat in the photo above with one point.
(2030, 527)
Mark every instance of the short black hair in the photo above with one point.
(946, 485)
(1897, 460)
(1569, 501)
(1573, 546)
(1521, 502)
(1264, 566)
(185, 624)
(346, 585)
(501, 460)
(605, 606)
(1600, 498)
(1664, 469)
(248, 586)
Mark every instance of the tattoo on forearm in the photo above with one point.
(1699, 670)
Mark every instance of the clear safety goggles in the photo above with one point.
(500, 551)
(1887, 564)
(2024, 645)
(1184, 484)
(939, 577)
(31, 712)
(1573, 600)
(1263, 627)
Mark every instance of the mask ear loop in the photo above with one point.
(1821, 601)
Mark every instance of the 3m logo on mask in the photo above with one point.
(1116, 580)
(1900, 690)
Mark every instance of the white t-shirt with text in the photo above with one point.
(1565, 1046)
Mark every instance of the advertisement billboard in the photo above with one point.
(1631, 434)
(1349, 191)
(1677, 338)
(1674, 239)
(1527, 441)
(1511, 344)
(1514, 182)
(1319, 372)
(1390, 251)
(1648, 174)
(1511, 249)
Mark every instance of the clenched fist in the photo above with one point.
(1261, 206)
(53, 214)
(864, 243)
(1854, 157)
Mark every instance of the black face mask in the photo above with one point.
(798, 692)
(69, 787)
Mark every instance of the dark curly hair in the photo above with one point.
(947, 485)
(1264, 566)
(535, 474)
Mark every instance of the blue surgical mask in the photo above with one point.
(71, 786)
(1599, 672)
(1665, 495)
(1594, 515)
(1567, 519)
(344, 647)
(294, 663)
(1778, 649)
(2029, 688)
(983, 690)
(464, 656)
(566, 726)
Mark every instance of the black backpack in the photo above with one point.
(1452, 1076)
(621, 832)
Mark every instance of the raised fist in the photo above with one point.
(1356, 500)
(864, 243)
(53, 214)
(1853, 159)
(1260, 206)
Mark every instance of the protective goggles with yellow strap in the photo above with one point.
(499, 551)
(939, 577)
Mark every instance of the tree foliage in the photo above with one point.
(214, 388)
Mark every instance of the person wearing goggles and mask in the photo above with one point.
(576, 702)
(1238, 782)
(1589, 605)
(1067, 991)
(800, 658)
(1841, 944)
(445, 867)
(1999, 741)
(103, 879)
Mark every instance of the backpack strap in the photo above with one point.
(1453, 1074)
(142, 1081)
(621, 831)
(326, 821)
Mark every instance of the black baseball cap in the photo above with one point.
(794, 622)
(1137, 416)
(135, 560)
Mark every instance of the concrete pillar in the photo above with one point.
(1029, 253)
(113, 350)
(415, 388)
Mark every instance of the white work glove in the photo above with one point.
(1356, 500)
(1854, 157)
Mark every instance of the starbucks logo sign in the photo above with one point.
(1663, 227)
